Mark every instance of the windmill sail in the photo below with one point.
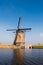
(11, 29)
(19, 23)
(25, 28)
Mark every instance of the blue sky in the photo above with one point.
(31, 12)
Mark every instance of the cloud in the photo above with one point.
(41, 34)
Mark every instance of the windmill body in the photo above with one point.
(19, 37)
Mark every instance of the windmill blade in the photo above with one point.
(11, 29)
(26, 29)
(19, 23)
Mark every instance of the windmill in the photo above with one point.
(19, 38)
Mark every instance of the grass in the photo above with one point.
(37, 47)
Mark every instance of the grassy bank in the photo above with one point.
(37, 47)
(8, 46)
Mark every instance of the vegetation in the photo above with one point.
(37, 47)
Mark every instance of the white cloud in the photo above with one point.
(41, 34)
